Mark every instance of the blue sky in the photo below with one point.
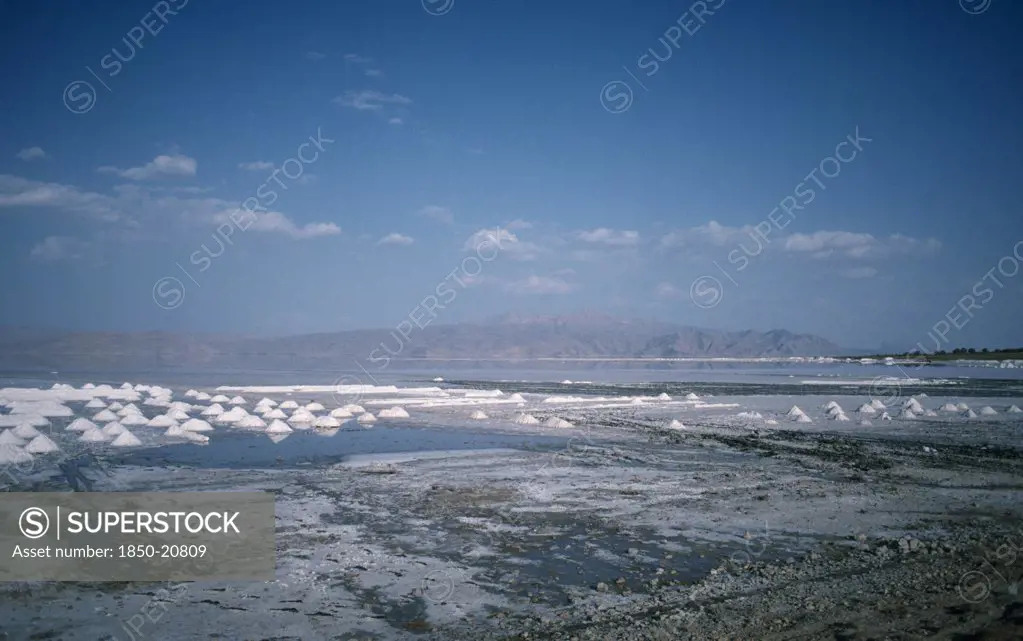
(448, 118)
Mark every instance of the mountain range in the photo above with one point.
(509, 337)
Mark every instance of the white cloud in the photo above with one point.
(606, 236)
(438, 213)
(396, 239)
(149, 208)
(541, 285)
(177, 165)
(357, 59)
(823, 244)
(712, 233)
(370, 100)
(503, 241)
(315, 55)
(667, 290)
(55, 248)
(395, 121)
(32, 153)
(518, 223)
(859, 273)
(258, 165)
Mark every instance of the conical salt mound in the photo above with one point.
(13, 455)
(191, 393)
(7, 437)
(220, 398)
(930, 413)
(83, 424)
(276, 413)
(354, 408)
(962, 407)
(841, 417)
(251, 422)
(202, 396)
(885, 416)
(126, 439)
(795, 411)
(95, 404)
(834, 411)
(177, 415)
(103, 416)
(367, 417)
(556, 422)
(315, 407)
(341, 413)
(477, 415)
(517, 398)
(526, 419)
(196, 425)
(949, 407)
(41, 445)
(907, 413)
(914, 405)
(637, 401)
(394, 412)
(1013, 410)
(25, 431)
(113, 429)
(987, 410)
(830, 405)
(326, 422)
(134, 420)
(692, 397)
(238, 400)
(676, 424)
(867, 408)
(213, 410)
(302, 416)
(94, 436)
(663, 396)
(163, 421)
(866, 422)
(266, 402)
(970, 414)
(288, 405)
(115, 407)
(803, 418)
(175, 431)
(278, 427)
(878, 405)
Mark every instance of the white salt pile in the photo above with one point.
(477, 415)
(196, 425)
(885, 416)
(367, 418)
(275, 413)
(302, 416)
(7, 437)
(841, 417)
(676, 424)
(130, 408)
(949, 407)
(692, 397)
(94, 436)
(277, 438)
(930, 413)
(914, 405)
(750, 416)
(830, 405)
(878, 405)
(278, 427)
(637, 401)
(191, 393)
(866, 408)
(13, 455)
(394, 412)
(238, 400)
(202, 396)
(132, 420)
(663, 396)
(250, 422)
(88, 386)
(556, 422)
(41, 445)
(162, 421)
(315, 407)
(95, 404)
(126, 439)
(795, 412)
(288, 405)
(866, 423)
(232, 415)
(803, 418)
(157, 401)
(25, 431)
(907, 413)
(84, 424)
(35, 420)
(438, 380)
(987, 410)
(341, 413)
(115, 407)
(834, 411)
(526, 419)
(220, 398)
(962, 407)
(1013, 410)
(566, 382)
(517, 398)
(970, 414)
(177, 415)
(266, 402)
(353, 408)
(326, 422)
(113, 429)
(213, 410)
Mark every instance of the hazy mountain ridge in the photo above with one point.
(508, 337)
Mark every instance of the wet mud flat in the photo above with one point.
(630, 532)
